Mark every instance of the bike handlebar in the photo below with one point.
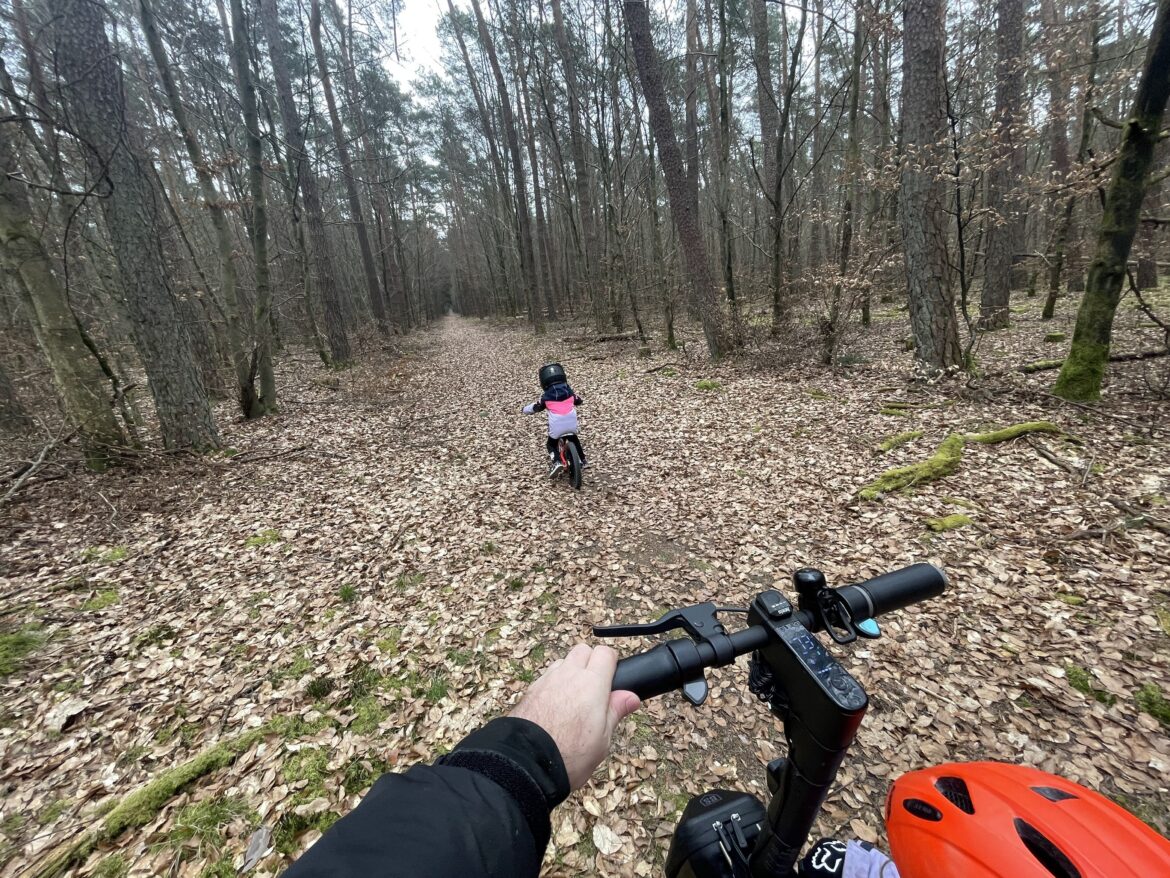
(671, 665)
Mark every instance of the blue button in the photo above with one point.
(869, 628)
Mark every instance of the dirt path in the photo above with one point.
(386, 562)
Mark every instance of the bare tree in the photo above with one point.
(134, 216)
(1084, 368)
(320, 258)
(684, 205)
(924, 131)
(84, 391)
(356, 208)
(1003, 234)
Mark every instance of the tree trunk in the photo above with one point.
(691, 120)
(543, 250)
(527, 256)
(12, 413)
(247, 397)
(356, 208)
(260, 362)
(1084, 368)
(97, 112)
(489, 133)
(684, 203)
(924, 127)
(1058, 114)
(77, 375)
(577, 143)
(1065, 219)
(392, 285)
(832, 329)
(323, 277)
(765, 93)
(1005, 226)
(779, 196)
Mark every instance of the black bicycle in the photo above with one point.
(727, 834)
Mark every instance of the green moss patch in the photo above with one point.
(143, 805)
(898, 440)
(104, 554)
(359, 774)
(1054, 337)
(1073, 600)
(946, 459)
(1152, 701)
(266, 537)
(948, 522)
(1013, 432)
(1041, 366)
(1081, 680)
(813, 393)
(101, 600)
(707, 384)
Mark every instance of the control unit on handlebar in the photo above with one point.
(725, 834)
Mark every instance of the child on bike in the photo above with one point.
(559, 400)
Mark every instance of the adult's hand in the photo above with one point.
(572, 701)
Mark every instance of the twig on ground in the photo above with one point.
(243, 456)
(34, 465)
(1128, 509)
(664, 366)
(1052, 458)
(1146, 427)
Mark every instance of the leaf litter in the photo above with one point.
(384, 564)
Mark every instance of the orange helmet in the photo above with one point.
(992, 820)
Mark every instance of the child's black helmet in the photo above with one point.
(550, 374)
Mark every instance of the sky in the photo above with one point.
(418, 44)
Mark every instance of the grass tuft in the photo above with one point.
(101, 600)
(15, 646)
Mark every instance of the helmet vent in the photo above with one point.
(1046, 853)
(922, 810)
(954, 789)
(1052, 794)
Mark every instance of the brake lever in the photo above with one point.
(699, 621)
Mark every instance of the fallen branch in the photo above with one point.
(663, 366)
(1156, 524)
(1053, 459)
(143, 805)
(1044, 365)
(584, 339)
(946, 459)
(1145, 427)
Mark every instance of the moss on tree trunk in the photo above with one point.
(1084, 367)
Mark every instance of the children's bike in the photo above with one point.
(570, 459)
(973, 820)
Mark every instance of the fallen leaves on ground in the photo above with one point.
(386, 562)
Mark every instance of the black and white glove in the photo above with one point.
(830, 858)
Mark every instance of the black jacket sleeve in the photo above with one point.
(481, 811)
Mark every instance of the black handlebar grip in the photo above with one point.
(651, 673)
(894, 590)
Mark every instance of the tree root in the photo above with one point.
(142, 805)
(946, 459)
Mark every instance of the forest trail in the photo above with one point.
(386, 562)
